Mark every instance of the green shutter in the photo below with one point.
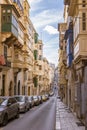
(36, 37)
(35, 54)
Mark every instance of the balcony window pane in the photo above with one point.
(8, 11)
(4, 11)
(8, 18)
(4, 18)
(84, 21)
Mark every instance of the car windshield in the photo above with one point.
(30, 98)
(3, 101)
(35, 97)
(20, 99)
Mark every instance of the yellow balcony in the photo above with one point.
(18, 61)
(18, 6)
(80, 49)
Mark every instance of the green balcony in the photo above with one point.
(9, 23)
(36, 38)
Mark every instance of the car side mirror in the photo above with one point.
(9, 104)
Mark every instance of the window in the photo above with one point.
(39, 77)
(6, 15)
(35, 54)
(4, 18)
(4, 10)
(83, 3)
(8, 18)
(8, 11)
(40, 47)
(35, 38)
(83, 21)
(13, 100)
(40, 57)
(5, 52)
(14, 21)
(40, 67)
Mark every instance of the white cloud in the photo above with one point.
(51, 29)
(50, 50)
(34, 4)
(51, 55)
(34, 1)
(46, 17)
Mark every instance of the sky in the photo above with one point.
(45, 16)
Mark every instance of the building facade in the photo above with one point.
(62, 82)
(16, 48)
(75, 14)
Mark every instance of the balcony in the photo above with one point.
(20, 41)
(18, 7)
(18, 61)
(36, 70)
(9, 24)
(80, 49)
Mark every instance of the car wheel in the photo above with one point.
(5, 120)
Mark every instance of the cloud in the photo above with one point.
(34, 4)
(46, 17)
(51, 29)
(53, 57)
(50, 50)
(34, 1)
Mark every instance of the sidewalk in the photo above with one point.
(65, 120)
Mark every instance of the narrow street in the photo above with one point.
(41, 117)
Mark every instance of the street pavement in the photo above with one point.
(65, 119)
(42, 117)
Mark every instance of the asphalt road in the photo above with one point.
(41, 117)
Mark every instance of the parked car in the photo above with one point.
(44, 98)
(24, 104)
(47, 96)
(40, 99)
(9, 108)
(51, 93)
(36, 100)
(31, 101)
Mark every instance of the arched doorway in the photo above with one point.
(15, 84)
(19, 87)
(28, 90)
(23, 90)
(10, 89)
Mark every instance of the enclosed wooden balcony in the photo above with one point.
(80, 49)
(18, 7)
(36, 70)
(10, 26)
(18, 60)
